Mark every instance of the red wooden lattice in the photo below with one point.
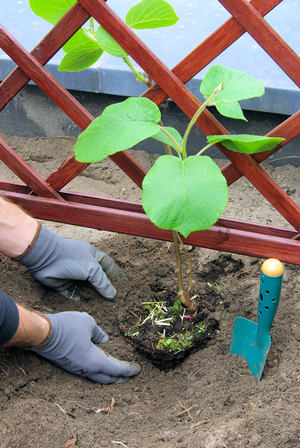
(46, 199)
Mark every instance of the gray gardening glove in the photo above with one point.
(57, 262)
(71, 346)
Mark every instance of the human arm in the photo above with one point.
(33, 329)
(20, 326)
(55, 261)
(67, 339)
(17, 229)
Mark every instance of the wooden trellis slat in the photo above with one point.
(121, 204)
(222, 238)
(124, 160)
(127, 217)
(26, 173)
(266, 36)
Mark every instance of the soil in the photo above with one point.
(211, 399)
(167, 332)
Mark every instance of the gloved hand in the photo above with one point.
(57, 261)
(71, 346)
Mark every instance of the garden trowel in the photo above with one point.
(252, 341)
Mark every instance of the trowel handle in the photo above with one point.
(269, 295)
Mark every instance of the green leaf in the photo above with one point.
(151, 14)
(230, 109)
(162, 137)
(247, 144)
(184, 195)
(121, 126)
(51, 10)
(236, 86)
(81, 36)
(109, 44)
(78, 38)
(80, 57)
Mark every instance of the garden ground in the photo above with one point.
(211, 400)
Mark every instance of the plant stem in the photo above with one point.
(178, 148)
(90, 34)
(167, 147)
(178, 262)
(148, 81)
(134, 71)
(197, 115)
(183, 294)
(190, 259)
(176, 239)
(204, 149)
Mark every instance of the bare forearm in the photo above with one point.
(33, 329)
(17, 229)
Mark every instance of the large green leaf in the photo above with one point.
(184, 195)
(151, 14)
(51, 10)
(248, 144)
(121, 126)
(236, 86)
(80, 57)
(109, 44)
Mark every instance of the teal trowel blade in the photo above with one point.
(252, 341)
(244, 343)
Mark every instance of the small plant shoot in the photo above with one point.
(88, 44)
(180, 193)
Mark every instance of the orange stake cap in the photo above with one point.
(272, 267)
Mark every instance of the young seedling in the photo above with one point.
(181, 193)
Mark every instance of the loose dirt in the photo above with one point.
(211, 400)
